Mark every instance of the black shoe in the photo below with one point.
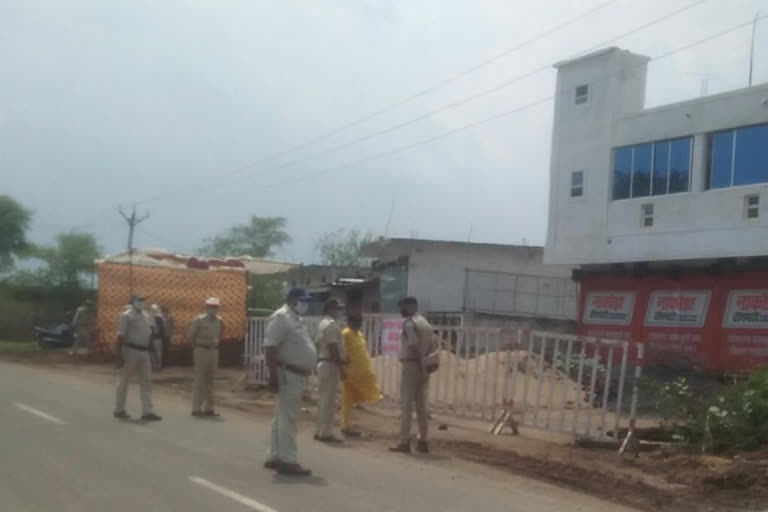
(351, 433)
(274, 465)
(211, 414)
(422, 447)
(286, 469)
(401, 448)
(197, 414)
(329, 439)
(121, 415)
(151, 417)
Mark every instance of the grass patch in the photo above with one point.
(17, 347)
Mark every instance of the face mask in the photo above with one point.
(301, 307)
(355, 322)
(213, 313)
(138, 305)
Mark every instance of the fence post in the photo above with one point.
(633, 406)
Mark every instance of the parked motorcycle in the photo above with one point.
(59, 336)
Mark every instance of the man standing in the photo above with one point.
(415, 340)
(330, 370)
(290, 356)
(134, 333)
(204, 334)
(83, 324)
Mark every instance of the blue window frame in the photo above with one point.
(657, 168)
(739, 157)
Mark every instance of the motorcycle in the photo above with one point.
(59, 336)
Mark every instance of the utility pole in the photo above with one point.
(132, 221)
(752, 47)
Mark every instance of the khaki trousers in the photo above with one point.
(287, 404)
(413, 393)
(82, 339)
(328, 379)
(206, 362)
(135, 362)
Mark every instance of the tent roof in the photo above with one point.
(165, 259)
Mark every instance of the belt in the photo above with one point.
(410, 360)
(140, 348)
(208, 347)
(295, 369)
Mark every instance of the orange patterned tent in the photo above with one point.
(183, 290)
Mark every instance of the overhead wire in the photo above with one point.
(442, 135)
(455, 104)
(408, 99)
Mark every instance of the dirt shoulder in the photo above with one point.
(663, 479)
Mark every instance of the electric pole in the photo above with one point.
(752, 47)
(132, 221)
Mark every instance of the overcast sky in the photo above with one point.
(103, 103)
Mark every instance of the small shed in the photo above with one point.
(180, 283)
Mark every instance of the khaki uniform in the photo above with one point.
(287, 332)
(204, 334)
(328, 375)
(136, 329)
(83, 324)
(414, 382)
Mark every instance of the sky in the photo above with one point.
(205, 113)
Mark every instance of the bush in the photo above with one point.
(736, 418)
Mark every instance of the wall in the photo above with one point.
(437, 273)
(697, 224)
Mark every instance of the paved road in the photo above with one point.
(61, 450)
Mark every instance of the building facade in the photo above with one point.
(664, 212)
(461, 283)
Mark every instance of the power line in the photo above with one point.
(132, 221)
(455, 104)
(408, 99)
(401, 149)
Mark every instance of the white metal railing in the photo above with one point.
(547, 380)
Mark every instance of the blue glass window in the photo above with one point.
(751, 163)
(641, 170)
(739, 157)
(622, 172)
(722, 160)
(679, 165)
(660, 168)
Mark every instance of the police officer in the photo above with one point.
(134, 333)
(83, 324)
(415, 339)
(204, 334)
(291, 356)
(330, 370)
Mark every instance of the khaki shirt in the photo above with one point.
(83, 318)
(205, 331)
(287, 332)
(329, 333)
(135, 327)
(416, 331)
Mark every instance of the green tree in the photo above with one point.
(342, 248)
(14, 222)
(69, 260)
(265, 292)
(258, 238)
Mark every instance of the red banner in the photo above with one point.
(698, 320)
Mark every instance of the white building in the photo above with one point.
(473, 283)
(662, 207)
(674, 182)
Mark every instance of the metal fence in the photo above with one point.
(545, 380)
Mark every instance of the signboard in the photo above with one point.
(609, 308)
(677, 308)
(746, 309)
(391, 329)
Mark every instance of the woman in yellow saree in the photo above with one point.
(360, 382)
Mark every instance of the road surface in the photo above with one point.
(61, 450)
